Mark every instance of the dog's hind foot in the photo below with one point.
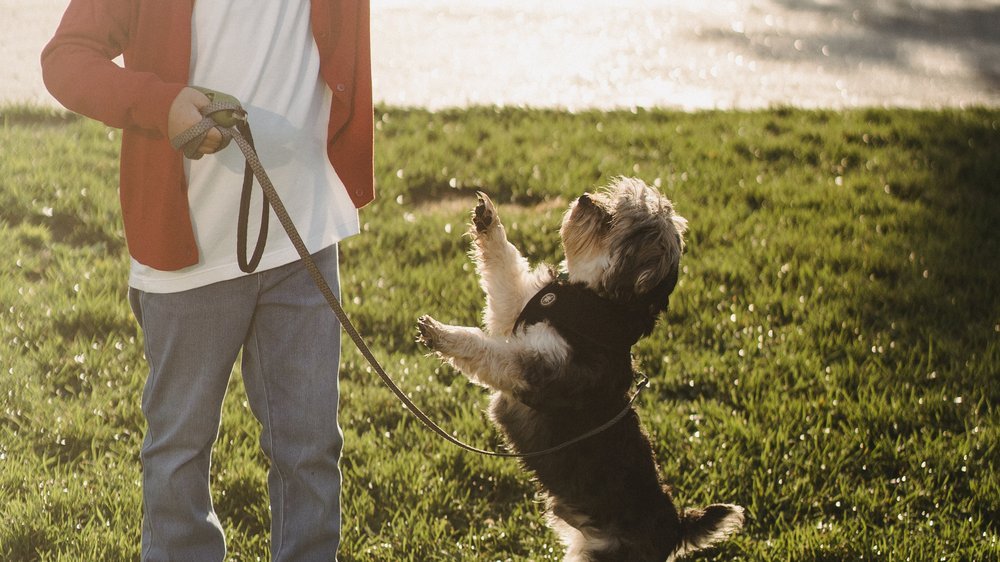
(701, 528)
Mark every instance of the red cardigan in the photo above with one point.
(155, 38)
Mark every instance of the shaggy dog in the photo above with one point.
(556, 351)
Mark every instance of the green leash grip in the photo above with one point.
(232, 113)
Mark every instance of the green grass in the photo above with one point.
(830, 359)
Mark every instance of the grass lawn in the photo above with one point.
(830, 360)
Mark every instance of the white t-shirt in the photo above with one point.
(263, 53)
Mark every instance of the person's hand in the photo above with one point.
(184, 114)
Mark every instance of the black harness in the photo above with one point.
(586, 319)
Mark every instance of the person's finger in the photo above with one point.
(184, 112)
(212, 142)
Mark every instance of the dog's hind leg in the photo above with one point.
(582, 545)
(701, 528)
(504, 274)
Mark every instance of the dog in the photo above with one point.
(556, 353)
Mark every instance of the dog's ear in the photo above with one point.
(641, 263)
(671, 246)
(654, 281)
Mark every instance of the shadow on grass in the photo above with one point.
(933, 278)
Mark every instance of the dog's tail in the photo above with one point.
(701, 528)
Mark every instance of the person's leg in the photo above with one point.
(290, 369)
(192, 339)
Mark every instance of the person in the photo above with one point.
(302, 69)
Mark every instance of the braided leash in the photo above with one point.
(225, 114)
(229, 118)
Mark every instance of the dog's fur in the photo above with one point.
(605, 496)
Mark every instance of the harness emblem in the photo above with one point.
(547, 299)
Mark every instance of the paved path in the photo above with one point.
(688, 54)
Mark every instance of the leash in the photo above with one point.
(225, 114)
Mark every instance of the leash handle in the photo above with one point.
(226, 114)
(271, 197)
(243, 221)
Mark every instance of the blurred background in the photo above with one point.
(686, 54)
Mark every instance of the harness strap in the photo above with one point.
(197, 132)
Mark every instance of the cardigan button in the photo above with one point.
(341, 87)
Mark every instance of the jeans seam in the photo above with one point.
(270, 430)
(149, 362)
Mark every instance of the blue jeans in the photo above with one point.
(291, 353)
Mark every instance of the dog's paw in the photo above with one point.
(428, 331)
(485, 214)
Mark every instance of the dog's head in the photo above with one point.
(624, 242)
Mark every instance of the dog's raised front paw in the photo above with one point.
(484, 216)
(428, 328)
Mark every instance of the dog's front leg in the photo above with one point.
(485, 360)
(504, 274)
(494, 362)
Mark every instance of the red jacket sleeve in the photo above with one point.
(79, 71)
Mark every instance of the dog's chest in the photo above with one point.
(582, 317)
